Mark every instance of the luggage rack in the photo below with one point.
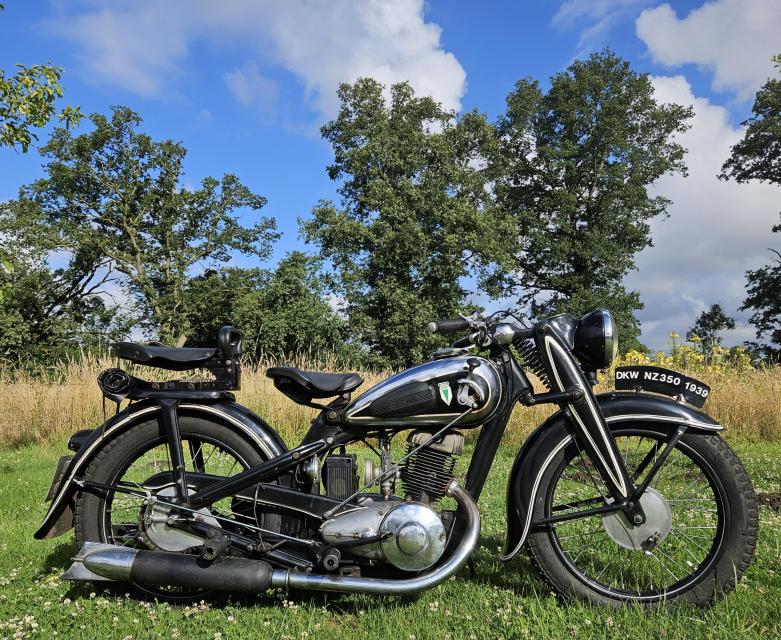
(223, 362)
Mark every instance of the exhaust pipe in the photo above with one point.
(385, 586)
(100, 562)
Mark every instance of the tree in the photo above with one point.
(412, 221)
(120, 193)
(52, 302)
(764, 299)
(574, 168)
(707, 327)
(47, 314)
(758, 157)
(283, 313)
(27, 101)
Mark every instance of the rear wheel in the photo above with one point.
(131, 461)
(698, 537)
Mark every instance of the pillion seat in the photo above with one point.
(302, 386)
(172, 358)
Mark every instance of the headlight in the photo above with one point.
(596, 340)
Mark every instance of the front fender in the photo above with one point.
(554, 434)
(59, 518)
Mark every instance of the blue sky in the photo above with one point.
(246, 84)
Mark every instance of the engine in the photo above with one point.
(412, 534)
(427, 473)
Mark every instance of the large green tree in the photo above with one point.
(758, 157)
(27, 100)
(411, 222)
(282, 313)
(119, 194)
(574, 170)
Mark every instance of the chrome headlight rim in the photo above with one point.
(611, 337)
(596, 340)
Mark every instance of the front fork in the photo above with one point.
(589, 426)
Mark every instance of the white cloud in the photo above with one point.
(716, 230)
(144, 46)
(734, 39)
(600, 15)
(249, 87)
(138, 48)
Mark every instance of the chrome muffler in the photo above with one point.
(97, 562)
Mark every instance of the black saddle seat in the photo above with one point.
(172, 358)
(302, 386)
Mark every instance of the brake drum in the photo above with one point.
(657, 525)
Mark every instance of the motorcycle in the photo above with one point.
(629, 496)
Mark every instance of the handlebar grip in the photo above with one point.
(448, 326)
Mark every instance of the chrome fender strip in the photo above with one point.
(651, 417)
(535, 488)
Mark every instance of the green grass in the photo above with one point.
(502, 601)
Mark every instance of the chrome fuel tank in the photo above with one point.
(428, 394)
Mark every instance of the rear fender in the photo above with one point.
(59, 518)
(542, 446)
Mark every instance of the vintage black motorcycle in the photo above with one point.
(627, 496)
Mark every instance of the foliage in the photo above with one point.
(691, 359)
(120, 193)
(27, 101)
(758, 157)
(48, 314)
(412, 220)
(281, 314)
(52, 303)
(763, 297)
(573, 169)
(707, 327)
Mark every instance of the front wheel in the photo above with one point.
(697, 540)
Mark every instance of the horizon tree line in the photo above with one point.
(547, 206)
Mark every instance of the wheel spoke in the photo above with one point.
(588, 547)
(123, 514)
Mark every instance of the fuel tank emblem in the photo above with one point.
(445, 393)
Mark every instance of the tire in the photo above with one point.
(114, 459)
(714, 565)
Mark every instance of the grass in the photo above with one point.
(45, 408)
(502, 601)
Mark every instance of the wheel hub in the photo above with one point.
(649, 534)
(157, 519)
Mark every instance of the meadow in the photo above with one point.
(38, 412)
(44, 406)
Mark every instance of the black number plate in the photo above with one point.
(664, 381)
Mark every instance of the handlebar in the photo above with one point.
(483, 330)
(453, 325)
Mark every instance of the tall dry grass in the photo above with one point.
(47, 406)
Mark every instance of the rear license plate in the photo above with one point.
(59, 473)
(664, 381)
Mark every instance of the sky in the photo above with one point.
(246, 85)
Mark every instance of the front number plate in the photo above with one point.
(664, 381)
